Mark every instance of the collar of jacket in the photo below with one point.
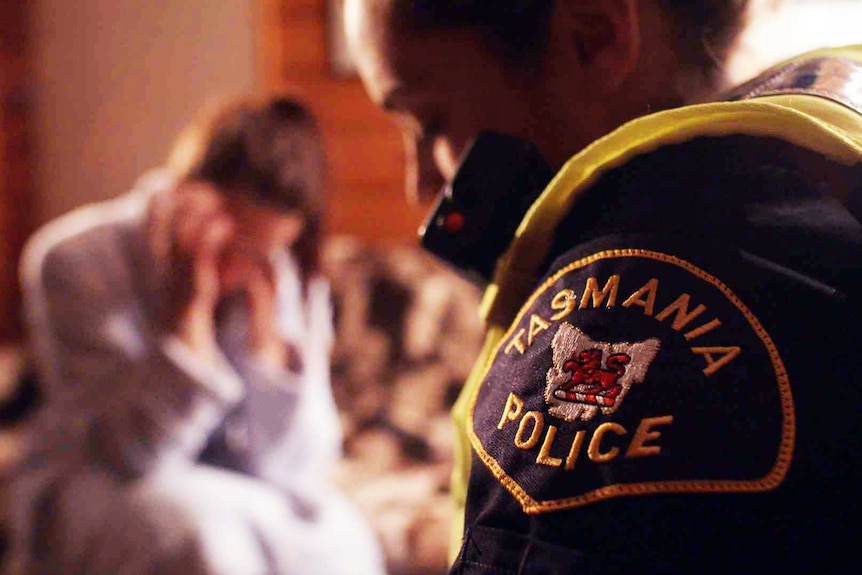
(806, 117)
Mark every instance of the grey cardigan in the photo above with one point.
(124, 400)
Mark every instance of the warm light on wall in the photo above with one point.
(782, 30)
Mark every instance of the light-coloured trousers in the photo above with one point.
(200, 520)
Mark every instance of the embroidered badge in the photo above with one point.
(633, 372)
(589, 375)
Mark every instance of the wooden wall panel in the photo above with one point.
(365, 150)
(15, 178)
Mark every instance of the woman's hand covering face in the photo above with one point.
(210, 247)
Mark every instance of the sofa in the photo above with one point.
(407, 334)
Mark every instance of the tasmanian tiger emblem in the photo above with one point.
(591, 383)
(588, 375)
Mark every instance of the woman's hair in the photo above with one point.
(517, 29)
(267, 150)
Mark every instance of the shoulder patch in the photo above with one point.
(633, 372)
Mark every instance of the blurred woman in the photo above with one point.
(182, 335)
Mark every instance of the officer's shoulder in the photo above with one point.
(630, 340)
(758, 195)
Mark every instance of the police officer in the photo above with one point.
(669, 378)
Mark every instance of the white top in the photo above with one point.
(123, 398)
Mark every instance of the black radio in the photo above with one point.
(475, 216)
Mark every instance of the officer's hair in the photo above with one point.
(706, 30)
(517, 29)
(266, 149)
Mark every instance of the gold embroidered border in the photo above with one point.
(772, 480)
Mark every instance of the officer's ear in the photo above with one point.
(603, 36)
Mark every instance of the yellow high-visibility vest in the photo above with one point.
(809, 117)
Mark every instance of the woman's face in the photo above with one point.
(258, 232)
